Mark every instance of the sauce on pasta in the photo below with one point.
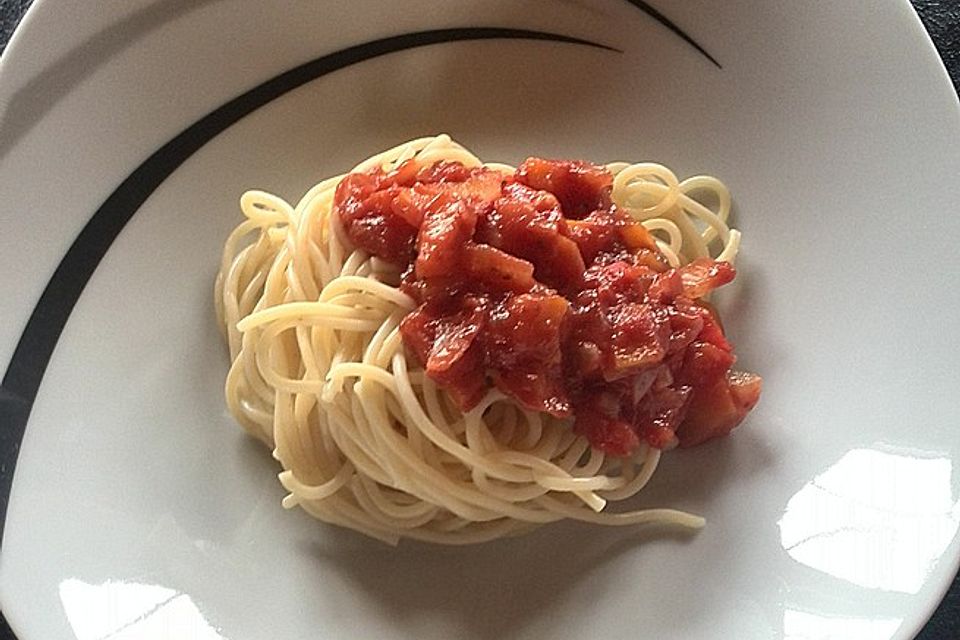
(537, 284)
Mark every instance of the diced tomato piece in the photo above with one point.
(619, 282)
(457, 364)
(405, 175)
(448, 348)
(419, 331)
(639, 340)
(659, 437)
(483, 186)
(716, 409)
(497, 270)
(410, 205)
(368, 218)
(658, 414)
(447, 226)
(524, 351)
(703, 275)
(530, 324)
(636, 237)
(560, 265)
(686, 324)
(586, 359)
(529, 224)
(444, 171)
(613, 436)
(666, 287)
(651, 259)
(381, 233)
(745, 389)
(594, 234)
(704, 363)
(455, 336)
(712, 332)
(542, 390)
(581, 187)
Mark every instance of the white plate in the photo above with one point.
(138, 508)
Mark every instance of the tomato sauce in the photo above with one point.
(538, 285)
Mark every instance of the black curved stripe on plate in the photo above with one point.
(669, 24)
(39, 338)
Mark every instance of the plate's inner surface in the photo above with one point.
(140, 507)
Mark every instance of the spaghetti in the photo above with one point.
(366, 439)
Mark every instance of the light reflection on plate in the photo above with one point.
(800, 625)
(132, 611)
(877, 518)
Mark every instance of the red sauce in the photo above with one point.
(538, 285)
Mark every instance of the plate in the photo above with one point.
(138, 509)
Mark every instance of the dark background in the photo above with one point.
(942, 19)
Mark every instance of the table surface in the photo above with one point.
(942, 20)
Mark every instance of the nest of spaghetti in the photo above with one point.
(451, 351)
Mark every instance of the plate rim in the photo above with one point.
(21, 42)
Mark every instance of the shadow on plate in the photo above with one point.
(488, 591)
(500, 588)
